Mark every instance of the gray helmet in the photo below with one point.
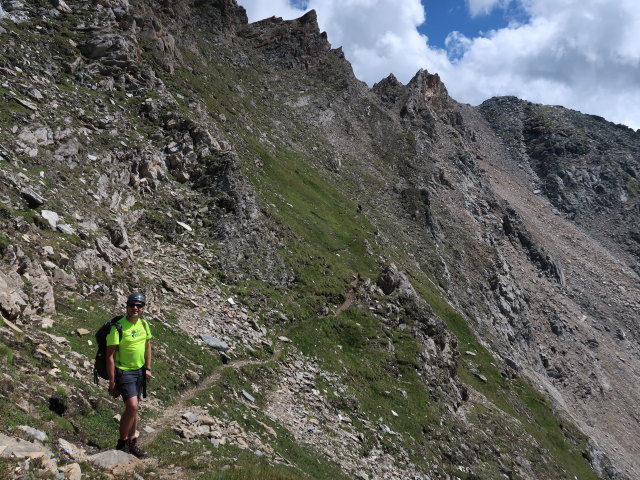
(136, 297)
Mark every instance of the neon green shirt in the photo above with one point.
(131, 347)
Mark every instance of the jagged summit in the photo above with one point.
(297, 43)
(289, 40)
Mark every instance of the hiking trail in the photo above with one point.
(173, 412)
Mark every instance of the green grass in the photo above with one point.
(327, 233)
(99, 427)
(252, 469)
(633, 186)
(6, 354)
(321, 216)
(11, 415)
(5, 469)
(4, 242)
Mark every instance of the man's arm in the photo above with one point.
(111, 369)
(147, 358)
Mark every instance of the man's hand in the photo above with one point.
(147, 372)
(113, 390)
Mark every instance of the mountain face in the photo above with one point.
(407, 286)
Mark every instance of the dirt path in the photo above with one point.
(350, 295)
(171, 415)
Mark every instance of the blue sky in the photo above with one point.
(582, 54)
(446, 16)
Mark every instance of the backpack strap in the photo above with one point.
(115, 322)
(144, 384)
(144, 376)
(146, 325)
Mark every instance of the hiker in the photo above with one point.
(128, 367)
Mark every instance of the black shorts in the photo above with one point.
(129, 383)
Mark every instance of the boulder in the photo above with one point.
(12, 447)
(72, 450)
(248, 396)
(90, 260)
(111, 49)
(34, 433)
(392, 280)
(64, 228)
(36, 135)
(34, 199)
(12, 298)
(50, 216)
(119, 238)
(112, 459)
(42, 297)
(71, 471)
(67, 280)
(151, 166)
(61, 6)
(215, 343)
(108, 252)
(71, 148)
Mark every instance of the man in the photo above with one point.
(128, 367)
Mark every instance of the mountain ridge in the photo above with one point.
(301, 186)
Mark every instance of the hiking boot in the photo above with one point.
(123, 445)
(135, 450)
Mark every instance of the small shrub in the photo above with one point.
(61, 391)
(4, 243)
(5, 352)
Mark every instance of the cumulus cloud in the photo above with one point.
(259, 9)
(583, 54)
(479, 7)
(380, 44)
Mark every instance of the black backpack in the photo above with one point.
(100, 365)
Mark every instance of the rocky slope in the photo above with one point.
(454, 289)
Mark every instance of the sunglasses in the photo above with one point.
(135, 305)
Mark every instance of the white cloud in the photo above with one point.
(380, 44)
(480, 7)
(583, 54)
(260, 9)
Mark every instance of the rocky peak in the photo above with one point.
(307, 23)
(429, 89)
(231, 13)
(586, 167)
(221, 18)
(427, 101)
(506, 112)
(297, 42)
(227, 14)
(390, 90)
